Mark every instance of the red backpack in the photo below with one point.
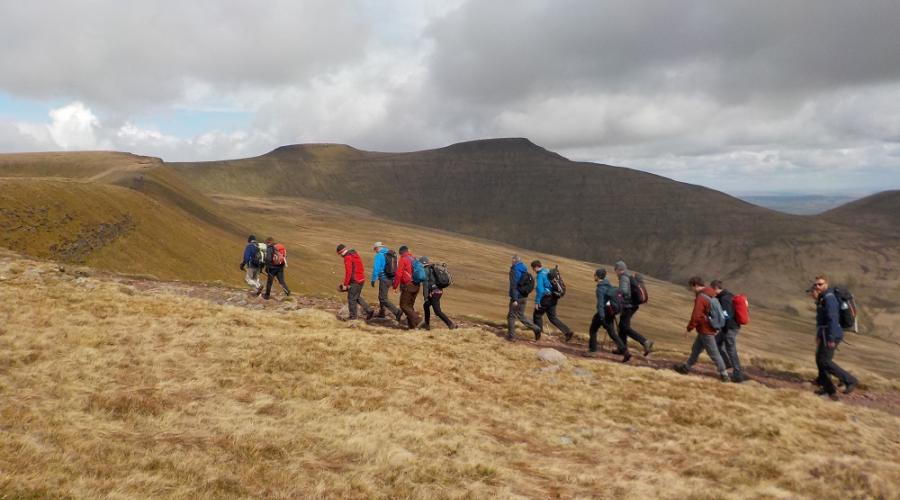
(279, 255)
(741, 309)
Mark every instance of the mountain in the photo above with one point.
(879, 212)
(798, 204)
(515, 192)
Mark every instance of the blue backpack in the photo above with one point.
(418, 273)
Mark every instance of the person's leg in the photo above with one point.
(361, 301)
(436, 304)
(823, 356)
(406, 305)
(511, 320)
(538, 318)
(592, 333)
(609, 324)
(832, 368)
(709, 342)
(625, 329)
(731, 349)
(270, 277)
(721, 345)
(280, 276)
(427, 306)
(520, 312)
(353, 299)
(554, 319)
(414, 292)
(696, 349)
(384, 301)
(252, 277)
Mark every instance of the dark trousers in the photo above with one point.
(625, 329)
(827, 368)
(354, 298)
(609, 324)
(707, 342)
(276, 272)
(408, 295)
(548, 306)
(726, 340)
(384, 287)
(434, 302)
(517, 312)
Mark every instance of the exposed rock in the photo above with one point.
(344, 313)
(566, 441)
(552, 356)
(581, 372)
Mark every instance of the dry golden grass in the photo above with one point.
(106, 391)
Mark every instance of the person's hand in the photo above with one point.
(830, 344)
(537, 307)
(373, 284)
(686, 332)
(515, 303)
(242, 266)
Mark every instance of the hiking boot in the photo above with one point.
(537, 336)
(399, 316)
(627, 357)
(510, 337)
(648, 348)
(287, 293)
(421, 325)
(682, 368)
(850, 387)
(265, 296)
(737, 377)
(569, 336)
(258, 291)
(724, 377)
(590, 354)
(370, 315)
(821, 392)
(453, 326)
(619, 352)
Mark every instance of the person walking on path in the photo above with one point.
(432, 294)
(520, 285)
(545, 302)
(706, 332)
(605, 317)
(383, 270)
(829, 335)
(629, 310)
(409, 287)
(253, 261)
(354, 277)
(726, 340)
(276, 261)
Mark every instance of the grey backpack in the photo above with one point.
(716, 314)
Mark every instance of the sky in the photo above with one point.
(743, 96)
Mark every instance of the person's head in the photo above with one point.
(716, 285)
(341, 249)
(820, 284)
(377, 246)
(270, 241)
(621, 268)
(600, 274)
(251, 238)
(696, 284)
(536, 265)
(516, 259)
(404, 250)
(424, 260)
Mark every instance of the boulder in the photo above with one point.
(551, 356)
(344, 313)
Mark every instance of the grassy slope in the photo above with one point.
(107, 391)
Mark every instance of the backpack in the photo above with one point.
(847, 305)
(390, 264)
(615, 304)
(418, 271)
(259, 257)
(442, 278)
(525, 284)
(278, 254)
(716, 314)
(638, 290)
(741, 309)
(557, 285)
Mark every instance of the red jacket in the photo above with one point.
(700, 314)
(353, 268)
(404, 270)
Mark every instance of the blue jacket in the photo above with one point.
(828, 322)
(605, 292)
(541, 284)
(249, 251)
(378, 265)
(515, 274)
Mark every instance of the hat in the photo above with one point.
(424, 259)
(516, 258)
(340, 247)
(377, 244)
(600, 273)
(250, 238)
(620, 266)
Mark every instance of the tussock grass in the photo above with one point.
(106, 391)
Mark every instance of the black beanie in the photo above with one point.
(340, 247)
(600, 273)
(404, 249)
(250, 238)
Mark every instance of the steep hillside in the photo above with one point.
(109, 390)
(879, 212)
(513, 191)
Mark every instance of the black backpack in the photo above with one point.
(847, 308)
(638, 290)
(557, 285)
(442, 278)
(526, 284)
(390, 264)
(616, 303)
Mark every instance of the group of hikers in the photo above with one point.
(717, 314)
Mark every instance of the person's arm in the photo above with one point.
(697, 314)
(625, 286)
(513, 284)
(601, 303)
(248, 255)
(348, 270)
(377, 267)
(402, 264)
(543, 285)
(833, 313)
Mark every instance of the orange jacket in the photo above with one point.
(700, 314)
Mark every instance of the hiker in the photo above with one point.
(354, 278)
(521, 282)
(383, 270)
(253, 262)
(726, 340)
(630, 308)
(545, 302)
(276, 261)
(608, 305)
(432, 294)
(706, 313)
(828, 335)
(408, 284)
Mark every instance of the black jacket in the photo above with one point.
(726, 299)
